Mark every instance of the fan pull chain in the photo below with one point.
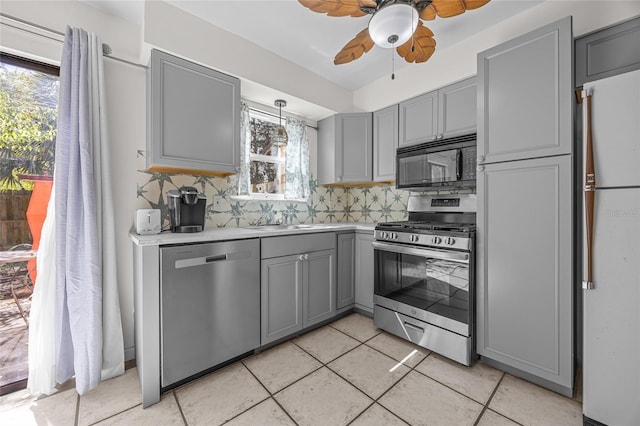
(393, 62)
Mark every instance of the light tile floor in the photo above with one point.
(348, 372)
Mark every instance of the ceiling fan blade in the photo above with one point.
(423, 45)
(449, 8)
(338, 7)
(355, 48)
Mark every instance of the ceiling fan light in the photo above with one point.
(393, 25)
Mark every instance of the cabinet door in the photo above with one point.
(525, 96)
(319, 287)
(524, 267)
(457, 109)
(385, 143)
(419, 119)
(346, 271)
(354, 156)
(281, 297)
(194, 117)
(364, 272)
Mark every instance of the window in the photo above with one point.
(266, 159)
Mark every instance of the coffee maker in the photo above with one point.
(186, 209)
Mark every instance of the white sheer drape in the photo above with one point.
(297, 161)
(245, 149)
(87, 328)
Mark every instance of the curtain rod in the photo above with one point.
(275, 115)
(106, 49)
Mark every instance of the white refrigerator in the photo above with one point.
(611, 357)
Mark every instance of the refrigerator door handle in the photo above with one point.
(589, 195)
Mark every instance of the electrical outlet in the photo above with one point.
(217, 202)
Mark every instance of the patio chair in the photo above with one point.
(15, 272)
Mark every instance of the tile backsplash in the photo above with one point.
(326, 204)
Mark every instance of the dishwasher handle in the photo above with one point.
(206, 260)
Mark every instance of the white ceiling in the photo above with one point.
(311, 39)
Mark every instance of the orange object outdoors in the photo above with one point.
(36, 212)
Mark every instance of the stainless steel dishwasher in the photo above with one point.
(209, 306)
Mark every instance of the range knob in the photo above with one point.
(394, 236)
(385, 235)
(414, 238)
(436, 240)
(450, 241)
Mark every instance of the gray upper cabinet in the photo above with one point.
(345, 148)
(524, 96)
(385, 143)
(457, 108)
(418, 119)
(608, 52)
(346, 270)
(193, 117)
(446, 112)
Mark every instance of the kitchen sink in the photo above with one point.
(275, 227)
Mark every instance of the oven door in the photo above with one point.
(428, 284)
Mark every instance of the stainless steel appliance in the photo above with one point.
(209, 306)
(424, 275)
(186, 209)
(611, 309)
(440, 164)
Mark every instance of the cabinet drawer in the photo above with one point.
(296, 244)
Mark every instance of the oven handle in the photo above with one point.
(435, 254)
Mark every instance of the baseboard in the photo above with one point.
(129, 353)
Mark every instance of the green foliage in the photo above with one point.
(28, 112)
(262, 172)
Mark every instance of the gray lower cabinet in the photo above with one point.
(385, 143)
(524, 268)
(364, 273)
(298, 283)
(193, 117)
(318, 287)
(346, 277)
(345, 148)
(281, 297)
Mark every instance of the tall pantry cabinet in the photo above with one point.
(525, 206)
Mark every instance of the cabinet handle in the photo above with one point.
(480, 159)
(301, 257)
(480, 168)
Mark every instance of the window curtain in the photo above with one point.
(297, 161)
(79, 255)
(245, 149)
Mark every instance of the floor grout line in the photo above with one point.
(175, 397)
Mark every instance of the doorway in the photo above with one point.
(28, 113)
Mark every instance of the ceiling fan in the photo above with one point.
(393, 24)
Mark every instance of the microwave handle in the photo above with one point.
(459, 164)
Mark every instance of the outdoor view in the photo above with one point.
(267, 159)
(28, 105)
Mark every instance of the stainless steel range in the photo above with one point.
(424, 275)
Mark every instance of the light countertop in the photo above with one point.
(225, 234)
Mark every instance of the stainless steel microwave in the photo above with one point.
(442, 164)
